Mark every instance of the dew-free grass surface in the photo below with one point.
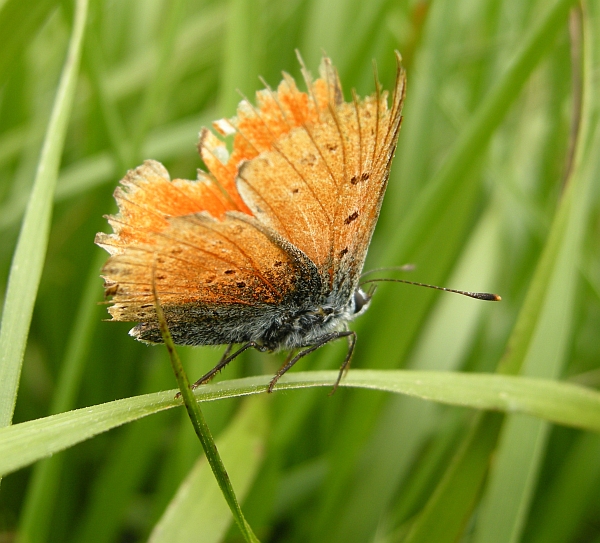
(494, 187)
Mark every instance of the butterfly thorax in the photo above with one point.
(308, 325)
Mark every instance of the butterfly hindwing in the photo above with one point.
(196, 259)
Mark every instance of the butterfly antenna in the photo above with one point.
(405, 268)
(477, 295)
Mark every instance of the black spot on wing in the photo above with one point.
(351, 218)
(363, 177)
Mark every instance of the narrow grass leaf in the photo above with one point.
(395, 449)
(564, 505)
(201, 428)
(243, 49)
(473, 141)
(198, 512)
(443, 516)
(435, 227)
(539, 39)
(158, 88)
(28, 260)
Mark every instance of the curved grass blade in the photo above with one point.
(454, 187)
(200, 426)
(562, 403)
(28, 260)
(407, 425)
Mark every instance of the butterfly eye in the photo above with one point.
(361, 300)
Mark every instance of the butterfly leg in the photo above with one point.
(225, 359)
(351, 335)
(323, 341)
(216, 369)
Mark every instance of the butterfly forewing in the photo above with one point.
(322, 184)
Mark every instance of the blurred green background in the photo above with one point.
(471, 200)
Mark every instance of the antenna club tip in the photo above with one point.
(487, 296)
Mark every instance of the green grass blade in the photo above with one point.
(197, 511)
(537, 343)
(513, 479)
(361, 465)
(442, 346)
(38, 507)
(130, 459)
(563, 403)
(158, 88)
(563, 505)
(326, 30)
(433, 230)
(425, 83)
(520, 452)
(28, 260)
(443, 516)
(243, 48)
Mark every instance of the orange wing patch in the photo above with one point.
(322, 184)
(199, 260)
(201, 255)
(147, 199)
(257, 129)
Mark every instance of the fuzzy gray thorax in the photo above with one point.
(308, 325)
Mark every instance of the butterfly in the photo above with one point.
(266, 249)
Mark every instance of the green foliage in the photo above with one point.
(494, 188)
